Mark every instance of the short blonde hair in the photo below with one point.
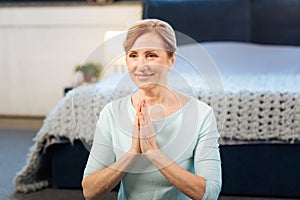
(161, 28)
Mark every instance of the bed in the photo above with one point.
(253, 86)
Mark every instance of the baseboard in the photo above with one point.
(11, 122)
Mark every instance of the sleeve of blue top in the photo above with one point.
(207, 157)
(101, 154)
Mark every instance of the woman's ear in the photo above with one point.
(172, 61)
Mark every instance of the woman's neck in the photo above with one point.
(155, 96)
(162, 103)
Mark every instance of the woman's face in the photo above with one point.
(148, 61)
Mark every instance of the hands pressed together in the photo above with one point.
(143, 133)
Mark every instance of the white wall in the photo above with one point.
(39, 47)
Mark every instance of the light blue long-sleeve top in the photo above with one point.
(189, 137)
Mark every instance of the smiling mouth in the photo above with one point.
(143, 76)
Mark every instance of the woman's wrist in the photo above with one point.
(134, 150)
(152, 150)
(158, 158)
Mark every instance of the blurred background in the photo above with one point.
(41, 44)
(44, 49)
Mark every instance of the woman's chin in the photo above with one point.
(146, 85)
(145, 82)
(150, 85)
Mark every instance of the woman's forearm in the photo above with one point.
(188, 183)
(103, 181)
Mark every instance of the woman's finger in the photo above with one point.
(137, 120)
(146, 114)
(138, 112)
(145, 117)
(141, 118)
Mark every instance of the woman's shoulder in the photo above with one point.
(192, 104)
(201, 106)
(185, 99)
(116, 105)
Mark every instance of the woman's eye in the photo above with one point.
(133, 55)
(151, 55)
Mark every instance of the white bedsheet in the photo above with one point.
(235, 57)
(246, 67)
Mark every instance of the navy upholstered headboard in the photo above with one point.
(257, 21)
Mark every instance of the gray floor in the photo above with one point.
(14, 147)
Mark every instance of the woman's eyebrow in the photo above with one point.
(151, 50)
(146, 51)
(131, 51)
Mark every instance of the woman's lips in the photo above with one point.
(143, 76)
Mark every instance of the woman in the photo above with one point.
(171, 149)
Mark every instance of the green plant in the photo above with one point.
(91, 71)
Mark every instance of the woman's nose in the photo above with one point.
(141, 61)
(142, 67)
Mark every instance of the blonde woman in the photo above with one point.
(159, 143)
